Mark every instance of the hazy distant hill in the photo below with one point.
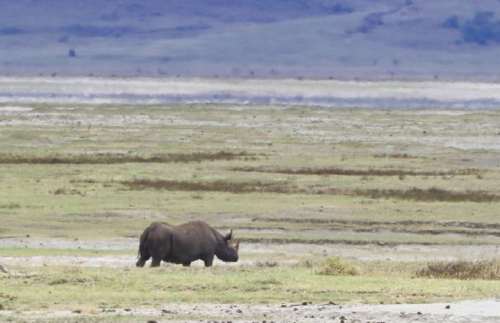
(381, 39)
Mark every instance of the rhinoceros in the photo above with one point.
(185, 243)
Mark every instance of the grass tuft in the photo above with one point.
(464, 270)
(336, 267)
(10, 206)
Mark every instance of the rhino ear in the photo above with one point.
(229, 236)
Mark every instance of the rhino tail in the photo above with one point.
(142, 242)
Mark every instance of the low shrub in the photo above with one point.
(336, 267)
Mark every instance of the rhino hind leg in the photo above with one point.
(157, 256)
(143, 256)
(142, 260)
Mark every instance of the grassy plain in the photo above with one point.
(61, 287)
(65, 169)
(273, 174)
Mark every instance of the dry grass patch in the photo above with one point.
(109, 158)
(417, 194)
(430, 194)
(215, 186)
(464, 270)
(355, 172)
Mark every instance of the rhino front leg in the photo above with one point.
(208, 260)
(156, 258)
(155, 262)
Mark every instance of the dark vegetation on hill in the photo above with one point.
(389, 39)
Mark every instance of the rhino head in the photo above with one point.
(227, 249)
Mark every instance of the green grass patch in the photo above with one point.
(90, 289)
(22, 135)
(353, 176)
(57, 252)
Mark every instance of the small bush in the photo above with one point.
(452, 22)
(340, 8)
(269, 264)
(370, 22)
(482, 29)
(465, 270)
(65, 191)
(336, 267)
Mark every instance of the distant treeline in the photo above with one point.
(482, 29)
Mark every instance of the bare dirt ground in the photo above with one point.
(456, 312)
(468, 311)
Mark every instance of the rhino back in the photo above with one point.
(157, 235)
(192, 240)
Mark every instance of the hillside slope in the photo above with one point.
(388, 39)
